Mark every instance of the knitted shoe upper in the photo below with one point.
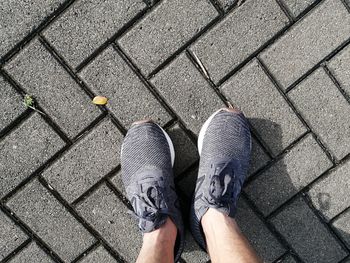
(225, 157)
(148, 179)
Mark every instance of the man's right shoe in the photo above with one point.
(147, 159)
(224, 145)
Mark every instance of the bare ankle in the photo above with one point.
(225, 240)
(165, 235)
(214, 219)
(158, 245)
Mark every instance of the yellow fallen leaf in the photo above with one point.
(100, 100)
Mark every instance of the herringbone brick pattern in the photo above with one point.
(285, 63)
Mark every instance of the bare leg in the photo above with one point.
(225, 240)
(158, 245)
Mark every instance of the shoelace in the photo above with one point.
(149, 204)
(221, 187)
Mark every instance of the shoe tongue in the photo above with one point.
(153, 207)
(220, 189)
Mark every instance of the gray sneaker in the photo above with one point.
(224, 145)
(147, 158)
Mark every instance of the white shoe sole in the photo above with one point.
(203, 131)
(171, 146)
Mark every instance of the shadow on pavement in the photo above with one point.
(268, 187)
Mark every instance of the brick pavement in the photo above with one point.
(285, 63)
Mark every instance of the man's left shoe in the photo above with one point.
(224, 145)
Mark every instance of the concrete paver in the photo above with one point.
(87, 162)
(258, 158)
(192, 251)
(110, 217)
(11, 236)
(51, 221)
(198, 100)
(187, 183)
(155, 38)
(342, 226)
(11, 106)
(88, 24)
(108, 75)
(263, 241)
(118, 182)
(98, 255)
(186, 152)
(326, 27)
(326, 110)
(339, 66)
(289, 175)
(269, 113)
(288, 259)
(226, 3)
(42, 77)
(237, 36)
(330, 195)
(307, 235)
(32, 252)
(176, 62)
(296, 7)
(18, 18)
(25, 150)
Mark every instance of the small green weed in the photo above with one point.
(29, 102)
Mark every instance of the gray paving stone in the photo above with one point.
(109, 216)
(326, 27)
(186, 152)
(86, 162)
(330, 195)
(50, 221)
(300, 166)
(187, 184)
(239, 35)
(11, 104)
(187, 92)
(24, 150)
(340, 67)
(258, 158)
(342, 227)
(11, 236)
(310, 239)
(128, 98)
(264, 242)
(118, 182)
(347, 2)
(252, 91)
(168, 27)
(98, 255)
(31, 254)
(88, 24)
(296, 7)
(192, 252)
(326, 110)
(44, 78)
(19, 18)
(288, 259)
(226, 3)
